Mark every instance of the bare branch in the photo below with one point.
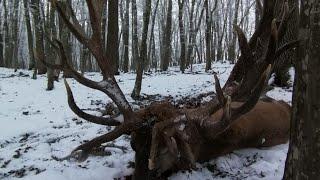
(226, 110)
(243, 43)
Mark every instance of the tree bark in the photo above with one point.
(15, 35)
(166, 56)
(232, 47)
(39, 46)
(1, 43)
(7, 36)
(182, 37)
(208, 36)
(150, 51)
(303, 161)
(50, 55)
(125, 66)
(65, 35)
(135, 41)
(113, 33)
(29, 34)
(191, 32)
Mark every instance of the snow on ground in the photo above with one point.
(37, 125)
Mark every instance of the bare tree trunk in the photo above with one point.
(191, 31)
(166, 56)
(208, 36)
(135, 41)
(7, 37)
(303, 160)
(104, 24)
(150, 51)
(125, 66)
(15, 35)
(233, 39)
(84, 53)
(143, 51)
(29, 34)
(65, 35)
(113, 33)
(50, 55)
(221, 25)
(39, 46)
(193, 36)
(1, 43)
(182, 37)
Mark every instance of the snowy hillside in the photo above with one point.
(37, 125)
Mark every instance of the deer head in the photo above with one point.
(160, 133)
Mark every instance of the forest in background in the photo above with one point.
(179, 32)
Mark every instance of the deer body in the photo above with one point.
(267, 124)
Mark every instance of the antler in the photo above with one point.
(108, 85)
(229, 114)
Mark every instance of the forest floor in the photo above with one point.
(37, 125)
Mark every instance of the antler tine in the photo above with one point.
(229, 115)
(219, 91)
(96, 142)
(254, 97)
(245, 61)
(244, 46)
(226, 110)
(91, 118)
(75, 74)
(272, 46)
(124, 128)
(268, 9)
(109, 85)
(82, 80)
